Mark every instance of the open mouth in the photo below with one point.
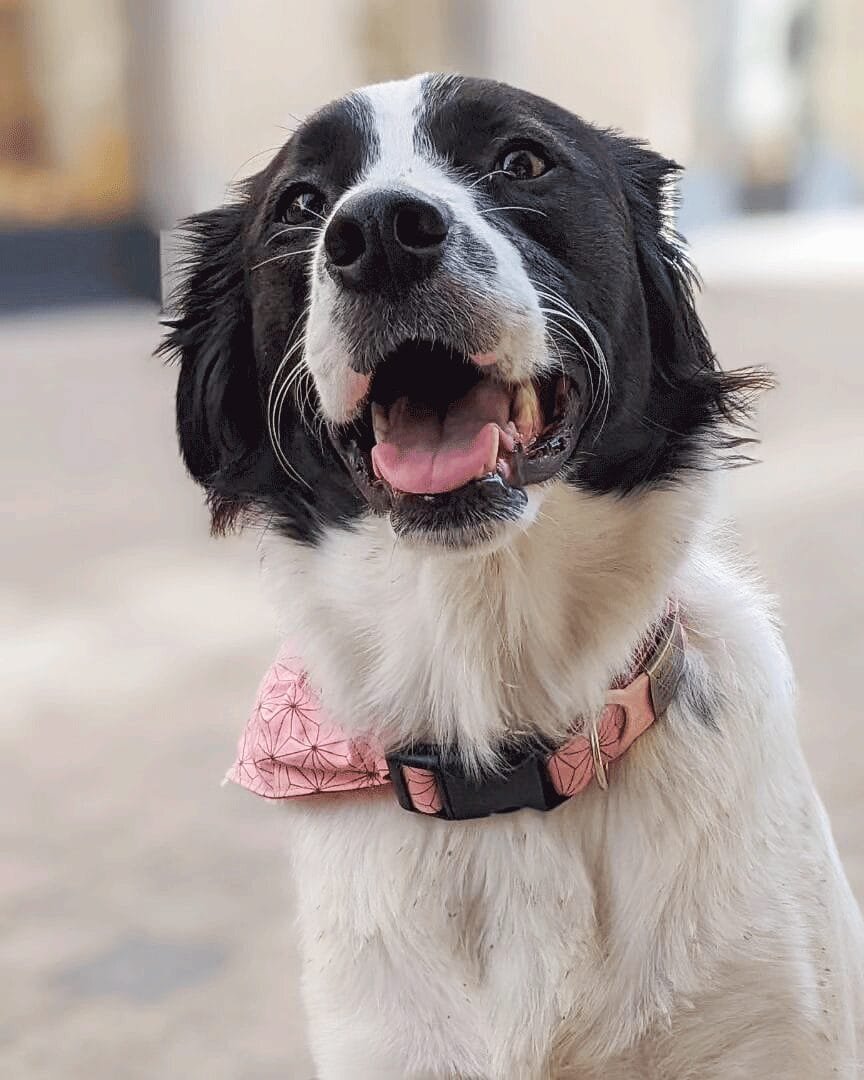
(437, 427)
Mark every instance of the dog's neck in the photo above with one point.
(413, 644)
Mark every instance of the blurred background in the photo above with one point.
(145, 922)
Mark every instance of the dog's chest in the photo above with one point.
(492, 932)
(460, 650)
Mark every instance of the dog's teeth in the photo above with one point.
(380, 424)
(509, 437)
(525, 411)
(492, 460)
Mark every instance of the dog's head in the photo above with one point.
(442, 296)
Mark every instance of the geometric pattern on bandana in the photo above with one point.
(290, 747)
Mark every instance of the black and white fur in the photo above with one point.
(694, 920)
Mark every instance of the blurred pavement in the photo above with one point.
(145, 919)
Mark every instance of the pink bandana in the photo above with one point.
(290, 747)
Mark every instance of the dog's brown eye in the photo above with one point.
(300, 204)
(523, 164)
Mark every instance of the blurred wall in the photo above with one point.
(219, 84)
(214, 81)
(839, 79)
(70, 67)
(591, 57)
(64, 123)
(752, 95)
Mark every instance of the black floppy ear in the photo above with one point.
(219, 414)
(678, 339)
(692, 396)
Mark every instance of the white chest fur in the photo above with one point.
(534, 944)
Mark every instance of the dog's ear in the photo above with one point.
(692, 394)
(667, 279)
(219, 414)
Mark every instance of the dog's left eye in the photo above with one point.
(523, 163)
(300, 203)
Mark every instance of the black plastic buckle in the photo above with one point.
(523, 783)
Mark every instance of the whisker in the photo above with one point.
(253, 157)
(599, 362)
(309, 406)
(561, 309)
(276, 397)
(284, 255)
(592, 361)
(553, 342)
(301, 384)
(527, 209)
(551, 329)
(293, 228)
(289, 386)
(274, 430)
(289, 351)
(494, 172)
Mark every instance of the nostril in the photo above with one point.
(420, 227)
(344, 241)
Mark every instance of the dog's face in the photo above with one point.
(441, 297)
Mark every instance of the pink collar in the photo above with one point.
(290, 747)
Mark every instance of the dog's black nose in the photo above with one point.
(386, 240)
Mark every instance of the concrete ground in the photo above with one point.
(145, 921)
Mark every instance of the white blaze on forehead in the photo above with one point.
(404, 158)
(396, 110)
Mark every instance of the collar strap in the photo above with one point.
(291, 748)
(428, 780)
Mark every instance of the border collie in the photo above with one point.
(443, 352)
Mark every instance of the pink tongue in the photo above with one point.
(426, 456)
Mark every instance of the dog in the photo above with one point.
(443, 352)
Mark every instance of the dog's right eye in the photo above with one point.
(301, 202)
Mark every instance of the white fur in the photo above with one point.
(692, 922)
